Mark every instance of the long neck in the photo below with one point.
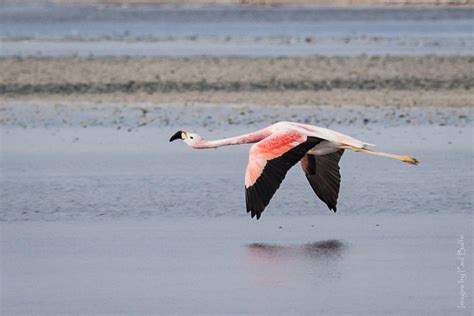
(237, 140)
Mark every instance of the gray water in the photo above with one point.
(102, 215)
(53, 30)
(304, 265)
(94, 172)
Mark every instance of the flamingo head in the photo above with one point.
(191, 139)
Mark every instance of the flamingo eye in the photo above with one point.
(191, 137)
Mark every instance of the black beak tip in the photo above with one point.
(177, 135)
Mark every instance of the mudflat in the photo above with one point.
(376, 80)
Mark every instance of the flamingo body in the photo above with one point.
(279, 147)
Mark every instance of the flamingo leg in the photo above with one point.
(403, 158)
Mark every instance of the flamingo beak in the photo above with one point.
(177, 135)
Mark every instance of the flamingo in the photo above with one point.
(280, 146)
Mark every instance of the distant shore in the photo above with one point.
(259, 2)
(373, 81)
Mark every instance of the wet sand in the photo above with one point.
(398, 81)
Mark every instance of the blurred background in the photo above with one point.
(213, 52)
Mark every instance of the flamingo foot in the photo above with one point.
(409, 159)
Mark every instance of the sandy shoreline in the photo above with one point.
(404, 81)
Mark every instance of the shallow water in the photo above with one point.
(49, 30)
(83, 173)
(320, 264)
(107, 220)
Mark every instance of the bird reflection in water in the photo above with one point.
(319, 250)
(310, 263)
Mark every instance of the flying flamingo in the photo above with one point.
(279, 147)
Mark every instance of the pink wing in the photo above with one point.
(269, 161)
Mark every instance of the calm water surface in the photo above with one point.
(51, 30)
(73, 173)
(103, 220)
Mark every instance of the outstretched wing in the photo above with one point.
(269, 161)
(323, 175)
